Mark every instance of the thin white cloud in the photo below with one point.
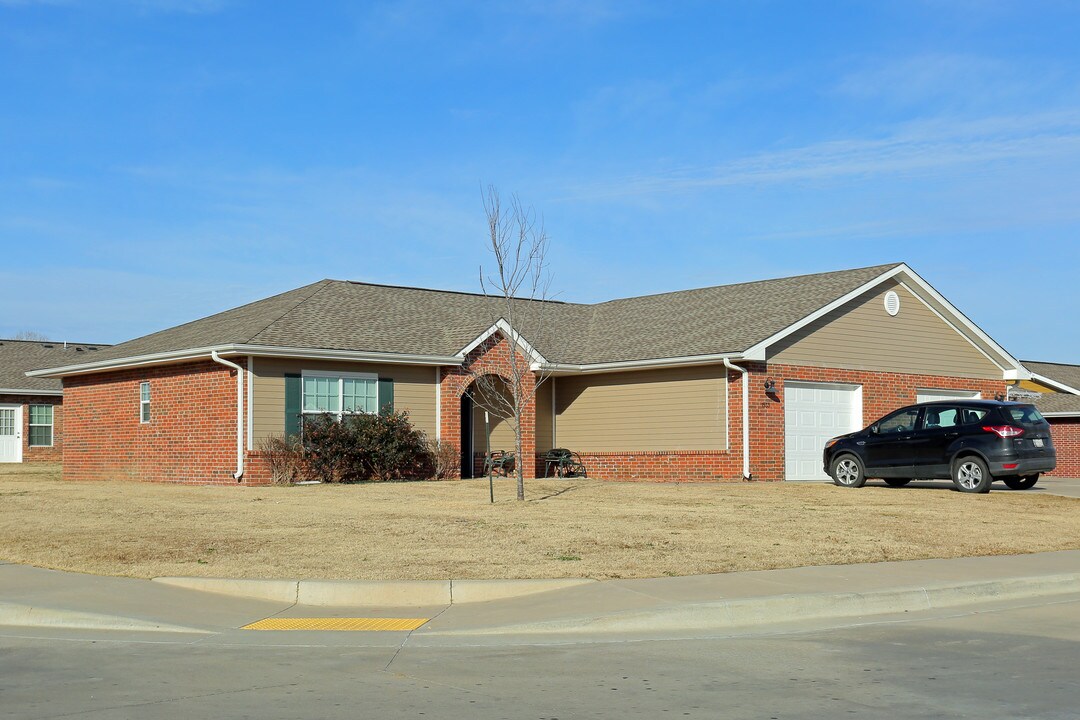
(916, 148)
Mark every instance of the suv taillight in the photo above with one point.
(1004, 431)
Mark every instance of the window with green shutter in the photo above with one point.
(41, 426)
(341, 393)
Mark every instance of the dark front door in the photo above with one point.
(466, 436)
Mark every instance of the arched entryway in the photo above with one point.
(487, 422)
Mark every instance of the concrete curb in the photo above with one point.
(752, 611)
(344, 593)
(16, 615)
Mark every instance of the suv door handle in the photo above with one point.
(952, 434)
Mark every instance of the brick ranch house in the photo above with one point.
(31, 409)
(1058, 386)
(725, 383)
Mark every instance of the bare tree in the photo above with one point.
(516, 284)
(30, 335)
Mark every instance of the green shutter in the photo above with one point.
(386, 395)
(292, 404)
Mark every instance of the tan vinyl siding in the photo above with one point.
(860, 335)
(502, 432)
(414, 390)
(544, 409)
(674, 409)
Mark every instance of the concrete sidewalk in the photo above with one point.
(669, 607)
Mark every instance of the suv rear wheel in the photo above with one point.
(1022, 483)
(847, 471)
(970, 474)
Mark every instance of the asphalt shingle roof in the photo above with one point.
(344, 315)
(18, 356)
(1058, 403)
(1066, 374)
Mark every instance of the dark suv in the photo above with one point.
(973, 442)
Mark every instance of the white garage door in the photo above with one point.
(925, 395)
(813, 413)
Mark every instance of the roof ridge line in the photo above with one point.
(323, 284)
(452, 292)
(750, 282)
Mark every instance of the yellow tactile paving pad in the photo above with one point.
(338, 624)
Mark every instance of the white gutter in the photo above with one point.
(173, 356)
(25, 391)
(745, 416)
(239, 412)
(565, 368)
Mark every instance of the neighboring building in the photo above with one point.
(31, 410)
(656, 387)
(1058, 386)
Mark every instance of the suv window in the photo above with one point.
(941, 417)
(970, 416)
(900, 421)
(1024, 414)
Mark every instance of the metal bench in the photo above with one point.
(498, 462)
(565, 463)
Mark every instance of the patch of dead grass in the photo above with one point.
(570, 528)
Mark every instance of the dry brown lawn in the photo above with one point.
(568, 528)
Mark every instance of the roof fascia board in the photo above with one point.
(626, 365)
(1053, 383)
(501, 326)
(242, 349)
(758, 351)
(948, 322)
(1063, 413)
(27, 391)
(1015, 372)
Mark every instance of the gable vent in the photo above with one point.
(892, 302)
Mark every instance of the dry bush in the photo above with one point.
(285, 458)
(445, 459)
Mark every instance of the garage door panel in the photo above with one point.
(813, 413)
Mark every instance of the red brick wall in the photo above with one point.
(1066, 434)
(491, 357)
(39, 454)
(191, 436)
(882, 392)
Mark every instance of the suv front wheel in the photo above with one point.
(970, 474)
(847, 471)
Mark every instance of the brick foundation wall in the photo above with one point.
(40, 454)
(191, 436)
(1066, 435)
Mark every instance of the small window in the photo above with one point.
(144, 402)
(340, 394)
(1024, 414)
(970, 416)
(940, 417)
(899, 422)
(41, 425)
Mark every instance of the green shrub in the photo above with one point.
(365, 447)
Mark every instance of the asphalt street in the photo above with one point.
(975, 663)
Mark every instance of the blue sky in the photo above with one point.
(161, 160)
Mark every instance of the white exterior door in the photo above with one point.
(10, 433)
(926, 395)
(813, 413)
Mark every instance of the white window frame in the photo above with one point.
(339, 376)
(30, 424)
(144, 403)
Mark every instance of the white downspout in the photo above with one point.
(745, 417)
(239, 412)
